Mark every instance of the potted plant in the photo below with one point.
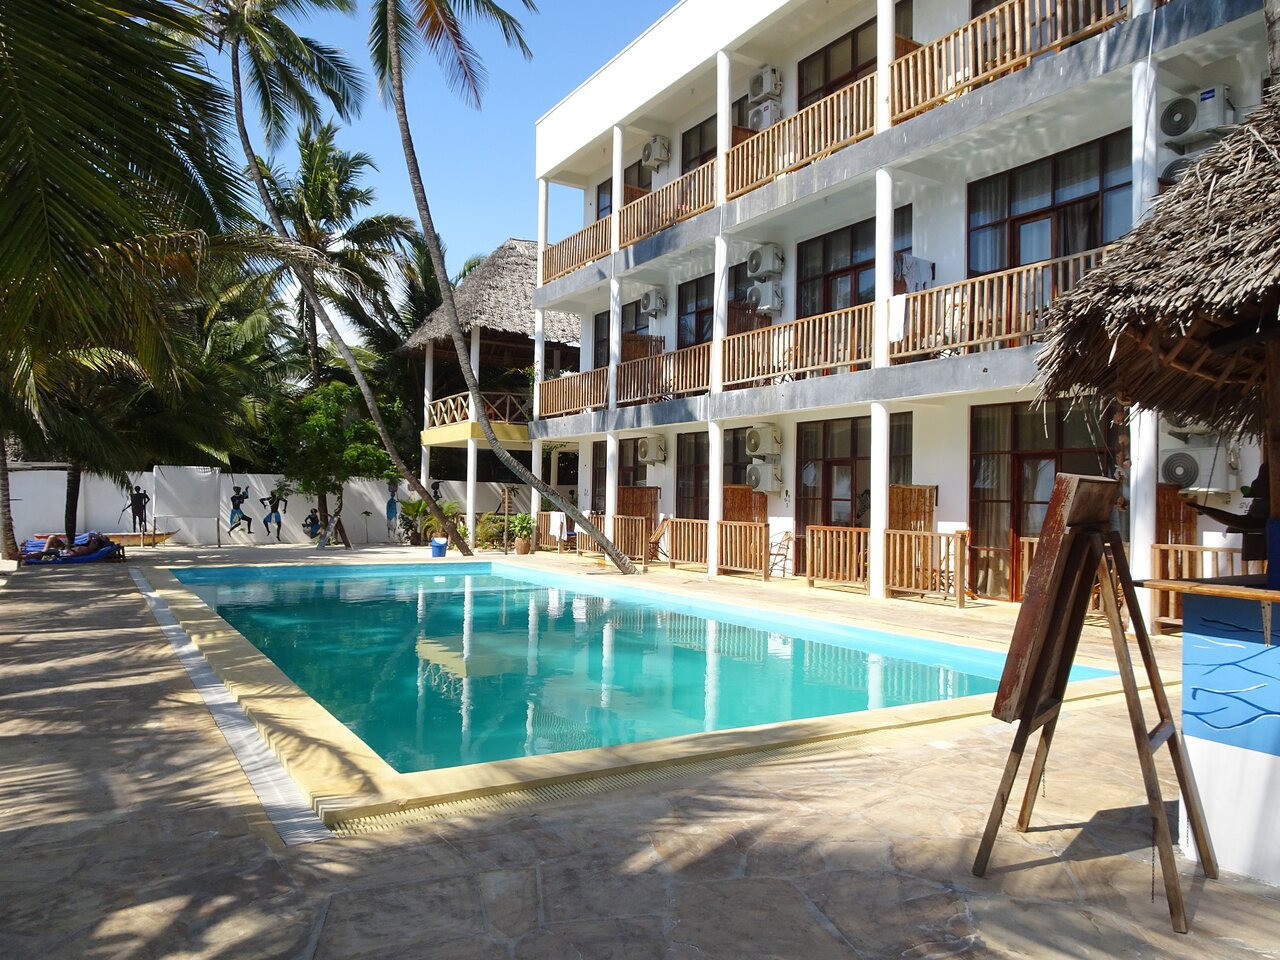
(414, 517)
(435, 531)
(522, 530)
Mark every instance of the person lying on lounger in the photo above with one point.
(92, 544)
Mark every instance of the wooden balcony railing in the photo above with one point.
(574, 393)
(744, 548)
(586, 545)
(678, 200)
(998, 42)
(783, 350)
(926, 563)
(1188, 561)
(665, 375)
(838, 554)
(499, 407)
(576, 251)
(1004, 309)
(845, 117)
(631, 536)
(686, 541)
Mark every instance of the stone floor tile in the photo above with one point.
(634, 938)
(598, 885)
(510, 899)
(754, 919)
(398, 917)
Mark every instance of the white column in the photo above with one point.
(1138, 7)
(606, 666)
(615, 339)
(715, 492)
(473, 445)
(1144, 426)
(539, 359)
(617, 192)
(543, 213)
(879, 496)
(468, 613)
(428, 385)
(884, 267)
(724, 122)
(720, 316)
(535, 466)
(610, 482)
(531, 650)
(886, 46)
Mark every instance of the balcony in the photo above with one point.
(498, 407)
(845, 117)
(1004, 309)
(1001, 41)
(577, 250)
(665, 375)
(827, 343)
(678, 200)
(574, 393)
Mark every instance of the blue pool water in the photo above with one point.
(442, 665)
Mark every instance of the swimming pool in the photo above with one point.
(447, 665)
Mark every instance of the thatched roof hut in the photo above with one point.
(1179, 315)
(498, 296)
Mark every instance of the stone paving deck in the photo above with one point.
(130, 831)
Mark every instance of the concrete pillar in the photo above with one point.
(715, 492)
(465, 708)
(535, 466)
(531, 649)
(618, 191)
(615, 339)
(428, 386)
(724, 122)
(1138, 7)
(884, 267)
(473, 445)
(879, 496)
(539, 359)
(1146, 143)
(720, 317)
(544, 204)
(610, 482)
(885, 48)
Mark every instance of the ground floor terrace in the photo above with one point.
(133, 831)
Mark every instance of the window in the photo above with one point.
(741, 112)
(847, 59)
(600, 340)
(692, 475)
(604, 199)
(1057, 206)
(631, 470)
(698, 145)
(637, 181)
(696, 311)
(633, 321)
(736, 459)
(838, 270)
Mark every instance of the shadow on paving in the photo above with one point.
(131, 833)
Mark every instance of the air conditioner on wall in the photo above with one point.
(1184, 119)
(1199, 468)
(764, 441)
(764, 477)
(655, 153)
(765, 114)
(765, 84)
(652, 302)
(765, 297)
(652, 449)
(765, 261)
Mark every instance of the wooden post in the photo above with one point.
(959, 569)
(1272, 451)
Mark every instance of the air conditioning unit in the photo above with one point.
(765, 261)
(1199, 468)
(652, 302)
(765, 296)
(765, 85)
(764, 441)
(765, 114)
(764, 477)
(1189, 118)
(652, 449)
(655, 153)
(1175, 170)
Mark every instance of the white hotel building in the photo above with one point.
(830, 228)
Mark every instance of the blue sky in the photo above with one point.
(478, 165)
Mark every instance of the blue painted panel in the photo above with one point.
(1230, 677)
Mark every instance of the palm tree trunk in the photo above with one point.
(8, 541)
(460, 345)
(317, 308)
(71, 509)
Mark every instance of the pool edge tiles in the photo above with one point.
(345, 779)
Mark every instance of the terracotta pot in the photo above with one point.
(522, 546)
(415, 538)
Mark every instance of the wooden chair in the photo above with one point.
(780, 553)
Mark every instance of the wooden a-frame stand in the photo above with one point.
(1076, 544)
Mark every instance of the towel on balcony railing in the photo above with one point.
(558, 524)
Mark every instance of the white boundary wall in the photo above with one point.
(38, 497)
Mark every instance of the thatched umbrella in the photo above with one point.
(1181, 317)
(497, 295)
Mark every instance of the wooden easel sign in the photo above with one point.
(1077, 546)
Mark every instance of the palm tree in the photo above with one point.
(113, 167)
(287, 72)
(438, 25)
